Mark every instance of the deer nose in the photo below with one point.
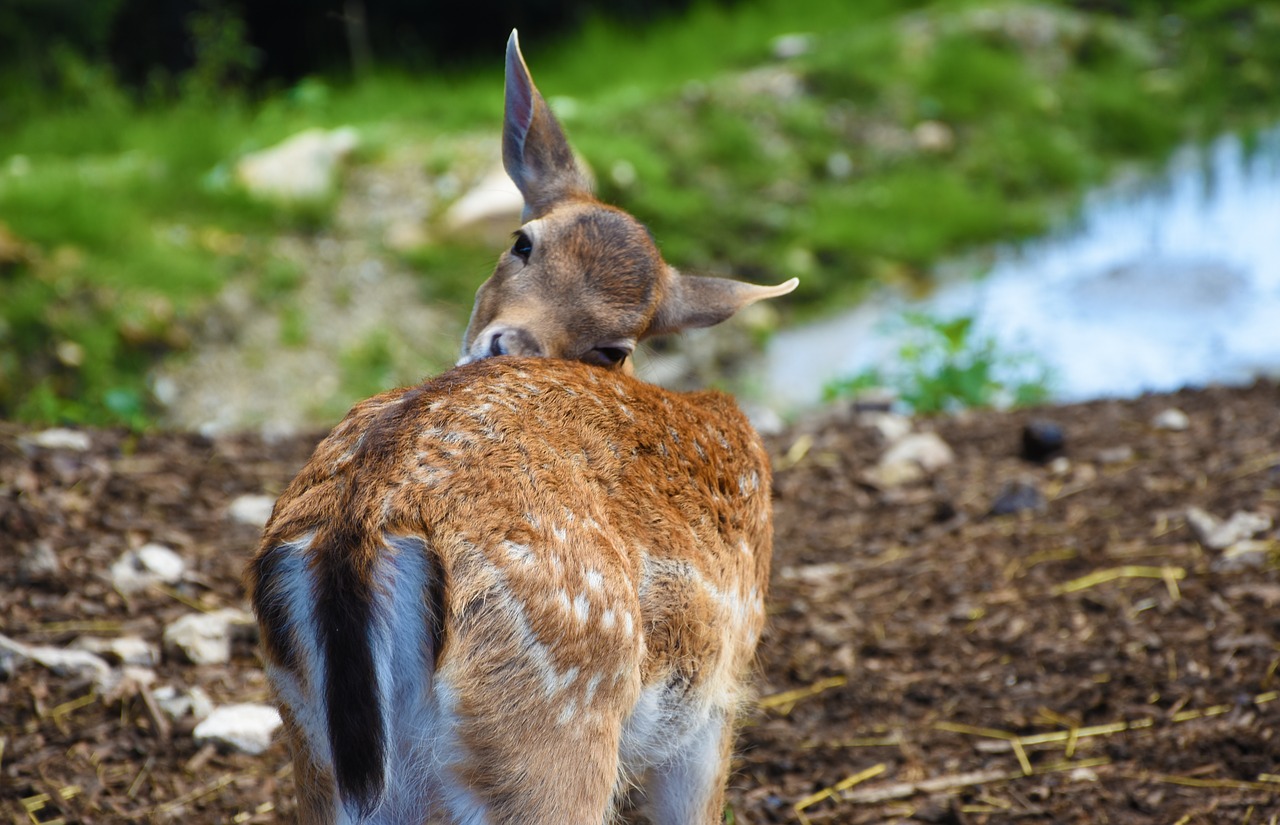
(513, 341)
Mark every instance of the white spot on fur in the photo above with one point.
(628, 624)
(592, 684)
(581, 607)
(568, 713)
(609, 619)
(517, 552)
(595, 580)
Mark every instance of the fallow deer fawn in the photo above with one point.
(514, 592)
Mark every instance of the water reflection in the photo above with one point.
(1160, 284)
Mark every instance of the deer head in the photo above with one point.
(583, 280)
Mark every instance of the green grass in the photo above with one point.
(942, 366)
(134, 228)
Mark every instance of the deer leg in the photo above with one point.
(688, 789)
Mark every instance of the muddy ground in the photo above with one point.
(926, 661)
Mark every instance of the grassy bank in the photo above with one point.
(880, 140)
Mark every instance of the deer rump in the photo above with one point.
(523, 572)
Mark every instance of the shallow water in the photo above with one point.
(1159, 284)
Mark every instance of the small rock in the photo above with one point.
(925, 449)
(60, 438)
(39, 564)
(1060, 466)
(252, 510)
(911, 458)
(205, 638)
(764, 419)
(1215, 534)
(1042, 440)
(246, 728)
(1249, 554)
(1115, 455)
(405, 236)
(1017, 496)
(128, 650)
(891, 427)
(934, 136)
(790, 46)
(1083, 775)
(79, 663)
(195, 702)
(301, 168)
(150, 564)
(1171, 419)
(490, 210)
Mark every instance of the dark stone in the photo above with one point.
(1042, 440)
(1017, 496)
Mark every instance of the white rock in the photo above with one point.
(59, 438)
(1171, 419)
(253, 510)
(926, 449)
(491, 209)
(205, 638)
(303, 167)
(1215, 534)
(129, 650)
(788, 46)
(891, 427)
(909, 459)
(149, 564)
(933, 136)
(1247, 554)
(177, 705)
(67, 662)
(246, 728)
(39, 563)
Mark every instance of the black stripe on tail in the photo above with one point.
(343, 610)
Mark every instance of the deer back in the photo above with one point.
(546, 540)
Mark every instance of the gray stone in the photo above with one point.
(1171, 419)
(63, 662)
(194, 702)
(891, 427)
(1016, 497)
(1248, 554)
(301, 168)
(491, 209)
(60, 438)
(148, 565)
(254, 510)
(246, 728)
(205, 638)
(910, 459)
(38, 563)
(128, 650)
(1215, 534)
(789, 46)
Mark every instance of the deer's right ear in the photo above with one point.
(692, 301)
(535, 152)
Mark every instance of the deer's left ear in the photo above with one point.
(535, 152)
(691, 301)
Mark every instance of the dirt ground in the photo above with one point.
(1083, 661)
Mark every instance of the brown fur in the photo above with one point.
(592, 552)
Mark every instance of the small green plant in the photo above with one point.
(942, 366)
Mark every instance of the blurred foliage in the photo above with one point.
(943, 366)
(893, 135)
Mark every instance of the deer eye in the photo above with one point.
(523, 247)
(608, 356)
